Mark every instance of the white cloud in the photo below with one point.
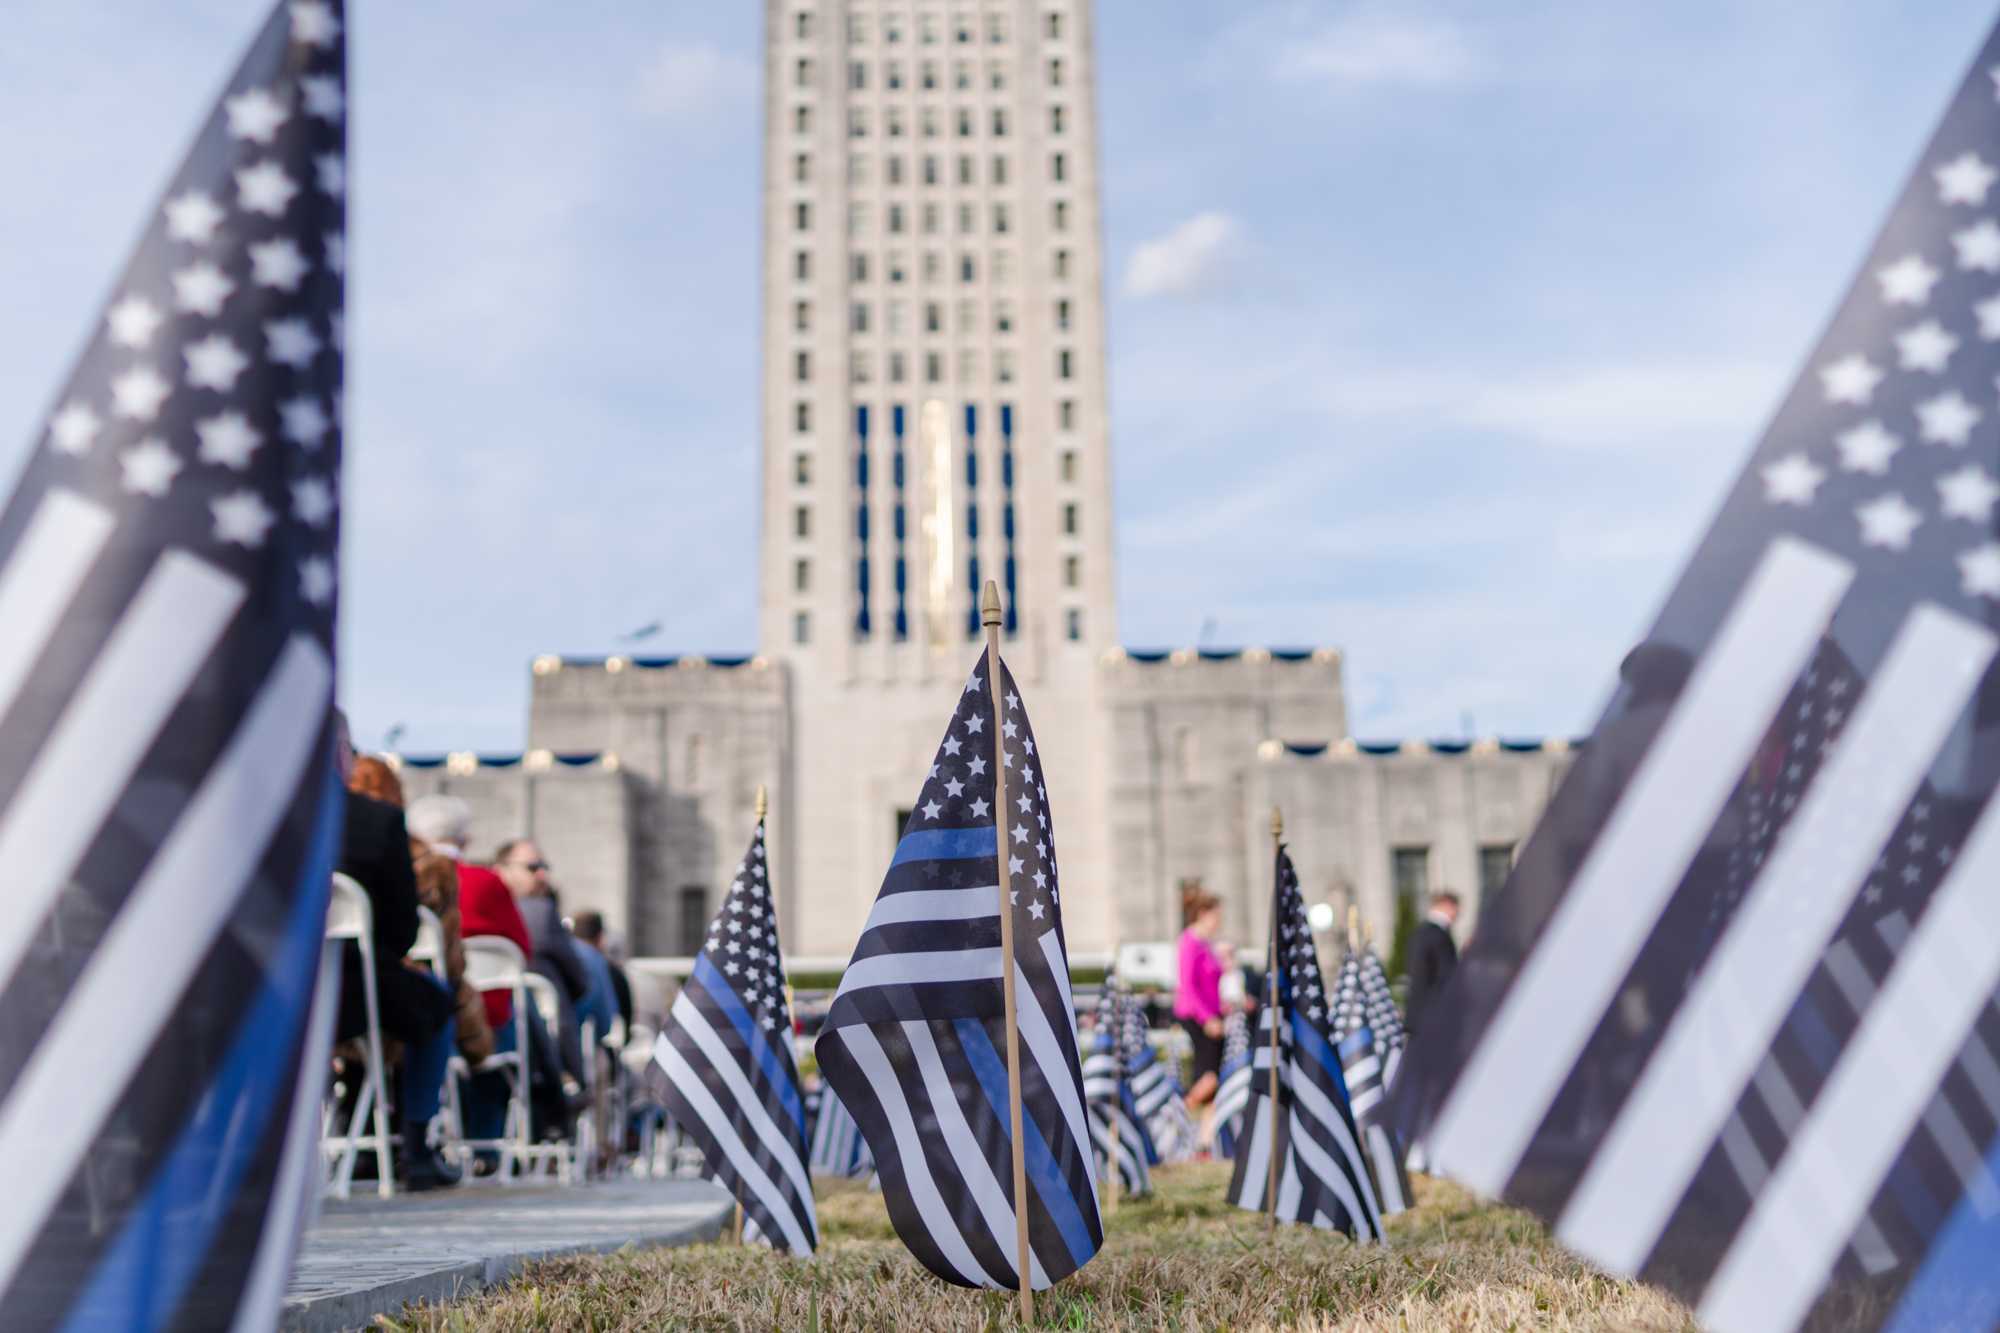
(1369, 47)
(1186, 259)
(691, 79)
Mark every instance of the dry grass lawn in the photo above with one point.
(1182, 1259)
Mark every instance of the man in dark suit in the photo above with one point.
(412, 1005)
(1432, 956)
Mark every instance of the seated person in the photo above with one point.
(520, 864)
(411, 1004)
(588, 928)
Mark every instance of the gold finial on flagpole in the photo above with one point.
(989, 604)
(1353, 928)
(763, 802)
(1277, 822)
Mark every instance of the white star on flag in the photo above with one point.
(1968, 493)
(323, 98)
(200, 289)
(1888, 520)
(314, 24)
(138, 393)
(74, 429)
(1978, 246)
(254, 115)
(1790, 480)
(1867, 447)
(278, 263)
(265, 188)
(149, 467)
(1947, 419)
(1989, 318)
(227, 439)
(316, 579)
(193, 218)
(1852, 379)
(292, 343)
(336, 252)
(312, 500)
(1979, 570)
(305, 423)
(214, 363)
(242, 518)
(1964, 180)
(330, 169)
(133, 321)
(1927, 346)
(1908, 281)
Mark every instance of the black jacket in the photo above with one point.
(1433, 955)
(375, 852)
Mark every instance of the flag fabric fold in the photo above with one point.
(169, 812)
(1323, 1178)
(915, 1040)
(1156, 1091)
(1361, 1003)
(837, 1146)
(1232, 1092)
(723, 1067)
(1731, 1025)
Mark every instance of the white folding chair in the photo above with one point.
(350, 917)
(495, 964)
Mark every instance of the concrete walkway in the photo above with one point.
(371, 1256)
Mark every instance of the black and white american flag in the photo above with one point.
(1115, 1125)
(723, 1067)
(169, 810)
(1232, 1091)
(1731, 1024)
(1323, 1178)
(915, 1041)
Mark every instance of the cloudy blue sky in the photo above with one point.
(1436, 330)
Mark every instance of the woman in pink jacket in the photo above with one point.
(1198, 998)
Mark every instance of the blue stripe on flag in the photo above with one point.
(143, 1278)
(1958, 1285)
(724, 995)
(1048, 1181)
(1307, 1038)
(945, 844)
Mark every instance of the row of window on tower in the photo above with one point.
(896, 217)
(930, 29)
(861, 370)
(928, 76)
(895, 320)
(927, 169)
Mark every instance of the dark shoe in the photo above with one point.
(426, 1169)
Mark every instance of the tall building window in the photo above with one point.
(1062, 315)
(933, 266)
(802, 216)
(894, 166)
(968, 316)
(930, 76)
(857, 75)
(802, 575)
(857, 219)
(802, 418)
(1000, 219)
(802, 74)
(801, 627)
(933, 317)
(1058, 167)
(968, 268)
(999, 122)
(1072, 571)
(894, 320)
(1066, 414)
(1065, 364)
(1003, 366)
(930, 219)
(930, 122)
(996, 28)
(1070, 522)
(892, 28)
(895, 219)
(691, 927)
(927, 29)
(857, 122)
(861, 367)
(1052, 26)
(1003, 266)
(898, 368)
(1496, 862)
(892, 76)
(961, 28)
(802, 25)
(996, 76)
(965, 220)
(964, 123)
(802, 367)
(1062, 263)
(802, 265)
(802, 120)
(802, 521)
(892, 122)
(961, 76)
(802, 164)
(965, 169)
(1410, 871)
(930, 169)
(1055, 72)
(802, 469)
(1003, 316)
(1057, 120)
(857, 268)
(1068, 465)
(1059, 215)
(857, 169)
(968, 366)
(802, 317)
(896, 271)
(1073, 624)
(857, 317)
(999, 169)
(933, 368)
(857, 29)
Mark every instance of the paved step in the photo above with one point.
(372, 1256)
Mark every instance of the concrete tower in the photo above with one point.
(934, 407)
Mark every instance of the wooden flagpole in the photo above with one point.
(989, 615)
(1271, 965)
(1117, 1054)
